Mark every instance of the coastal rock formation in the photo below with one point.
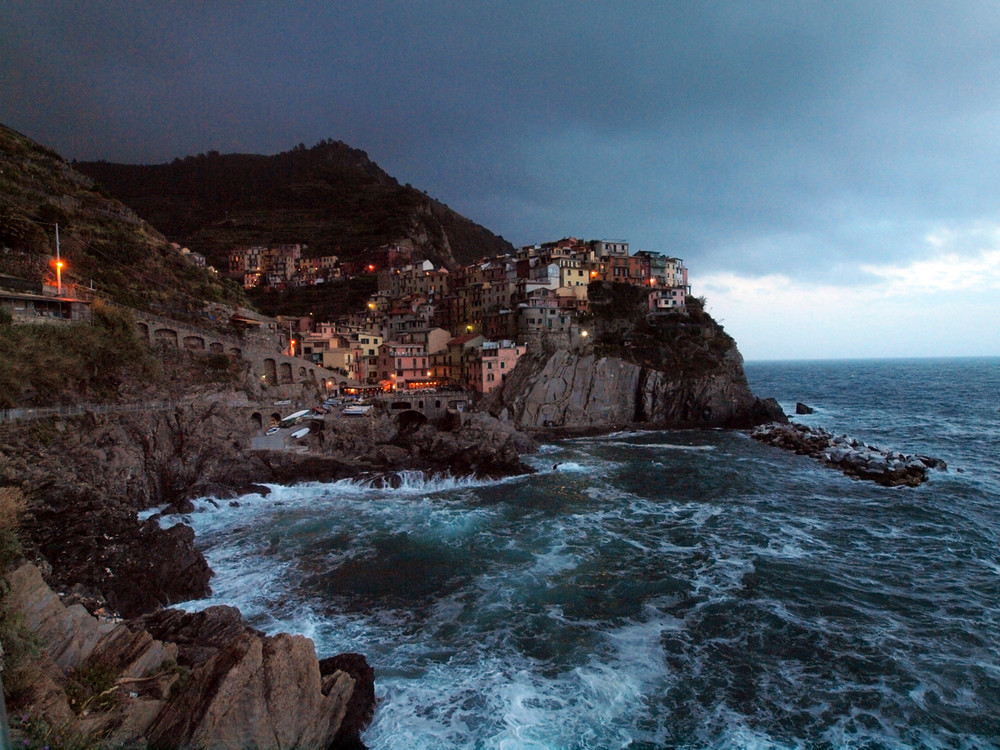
(576, 390)
(87, 477)
(801, 408)
(853, 457)
(178, 679)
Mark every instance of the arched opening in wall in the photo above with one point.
(302, 373)
(216, 348)
(165, 336)
(195, 343)
(257, 420)
(236, 352)
(270, 371)
(144, 331)
(400, 405)
(285, 373)
(410, 421)
(275, 418)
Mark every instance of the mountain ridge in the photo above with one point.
(331, 197)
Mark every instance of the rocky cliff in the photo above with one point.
(672, 371)
(178, 679)
(579, 390)
(87, 477)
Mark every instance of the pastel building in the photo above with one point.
(402, 366)
(489, 370)
(667, 300)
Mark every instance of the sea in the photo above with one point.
(668, 589)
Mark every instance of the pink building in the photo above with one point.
(667, 300)
(400, 365)
(489, 369)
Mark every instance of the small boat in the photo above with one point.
(291, 419)
(356, 410)
(272, 430)
(300, 433)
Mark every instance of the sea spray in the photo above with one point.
(644, 594)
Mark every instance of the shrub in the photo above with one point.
(93, 687)
(11, 508)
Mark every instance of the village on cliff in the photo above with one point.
(427, 327)
(424, 327)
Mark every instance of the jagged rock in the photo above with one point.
(579, 390)
(199, 680)
(854, 458)
(246, 690)
(801, 408)
(361, 706)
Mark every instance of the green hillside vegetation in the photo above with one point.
(105, 245)
(49, 365)
(330, 197)
(325, 301)
(688, 343)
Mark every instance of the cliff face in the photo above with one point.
(178, 679)
(574, 390)
(674, 371)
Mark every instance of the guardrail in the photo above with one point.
(12, 415)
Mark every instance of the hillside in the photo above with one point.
(104, 243)
(330, 197)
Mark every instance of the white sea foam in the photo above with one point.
(150, 512)
(666, 446)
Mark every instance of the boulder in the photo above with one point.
(190, 679)
(854, 458)
(801, 408)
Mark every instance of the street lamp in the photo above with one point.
(59, 267)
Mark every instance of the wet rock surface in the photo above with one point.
(580, 390)
(853, 457)
(187, 679)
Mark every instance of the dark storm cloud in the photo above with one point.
(752, 136)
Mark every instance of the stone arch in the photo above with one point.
(275, 418)
(410, 421)
(144, 330)
(257, 420)
(302, 373)
(236, 352)
(195, 343)
(285, 372)
(270, 371)
(165, 336)
(216, 348)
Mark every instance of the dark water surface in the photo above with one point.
(667, 589)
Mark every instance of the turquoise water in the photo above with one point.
(663, 589)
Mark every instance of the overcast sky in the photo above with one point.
(830, 171)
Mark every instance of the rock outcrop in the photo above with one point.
(577, 390)
(853, 457)
(179, 679)
(674, 370)
(87, 477)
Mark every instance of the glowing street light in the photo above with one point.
(59, 267)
